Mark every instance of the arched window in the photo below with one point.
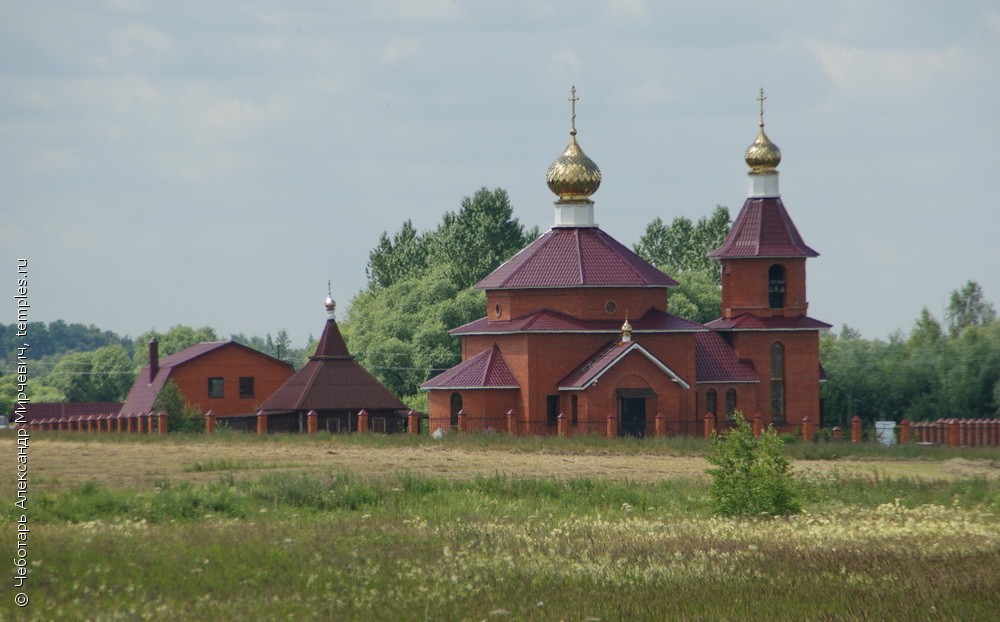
(711, 399)
(730, 404)
(776, 286)
(456, 405)
(777, 382)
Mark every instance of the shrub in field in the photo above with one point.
(751, 475)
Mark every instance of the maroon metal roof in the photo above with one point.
(486, 370)
(763, 229)
(716, 361)
(332, 380)
(575, 257)
(546, 320)
(746, 321)
(604, 359)
(35, 411)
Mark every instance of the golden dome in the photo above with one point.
(762, 156)
(626, 330)
(573, 176)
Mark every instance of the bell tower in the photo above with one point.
(763, 257)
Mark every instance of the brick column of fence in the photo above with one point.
(808, 429)
(995, 436)
(461, 419)
(413, 422)
(261, 422)
(363, 421)
(612, 429)
(904, 432)
(562, 425)
(709, 426)
(758, 424)
(209, 422)
(312, 422)
(856, 429)
(838, 434)
(161, 423)
(660, 425)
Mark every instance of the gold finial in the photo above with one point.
(572, 100)
(626, 329)
(331, 305)
(573, 176)
(762, 156)
(761, 99)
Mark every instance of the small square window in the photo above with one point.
(215, 387)
(246, 386)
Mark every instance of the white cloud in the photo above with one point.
(627, 10)
(400, 49)
(140, 40)
(566, 66)
(415, 10)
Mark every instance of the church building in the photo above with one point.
(577, 326)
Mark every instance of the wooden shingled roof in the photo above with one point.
(332, 380)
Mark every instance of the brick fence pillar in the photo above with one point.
(660, 425)
(413, 422)
(838, 434)
(461, 419)
(612, 429)
(141, 423)
(954, 431)
(856, 429)
(209, 422)
(161, 421)
(512, 421)
(709, 427)
(562, 425)
(758, 424)
(904, 432)
(261, 422)
(312, 422)
(130, 423)
(808, 429)
(363, 421)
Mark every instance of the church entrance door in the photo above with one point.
(633, 417)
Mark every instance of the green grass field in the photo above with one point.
(246, 538)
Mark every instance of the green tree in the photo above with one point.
(751, 476)
(684, 245)
(697, 297)
(402, 257)
(968, 307)
(181, 416)
(103, 375)
(926, 330)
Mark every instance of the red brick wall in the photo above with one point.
(745, 285)
(230, 362)
(586, 304)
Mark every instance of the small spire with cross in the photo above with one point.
(572, 100)
(331, 306)
(761, 99)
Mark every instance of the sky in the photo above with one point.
(216, 163)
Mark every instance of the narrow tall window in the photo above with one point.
(246, 386)
(456, 405)
(215, 387)
(777, 382)
(711, 401)
(551, 410)
(573, 406)
(730, 404)
(776, 286)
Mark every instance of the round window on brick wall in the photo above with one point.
(496, 310)
(610, 306)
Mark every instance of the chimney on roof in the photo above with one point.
(154, 358)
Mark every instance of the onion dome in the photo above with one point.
(626, 330)
(762, 156)
(331, 305)
(573, 176)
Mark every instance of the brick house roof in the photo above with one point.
(763, 229)
(144, 391)
(546, 320)
(604, 359)
(332, 380)
(746, 321)
(486, 370)
(575, 257)
(716, 361)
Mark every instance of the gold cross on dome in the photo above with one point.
(761, 99)
(572, 100)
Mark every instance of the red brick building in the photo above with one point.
(577, 325)
(225, 377)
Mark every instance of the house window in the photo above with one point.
(456, 405)
(551, 410)
(610, 307)
(777, 382)
(215, 387)
(711, 399)
(730, 404)
(572, 402)
(246, 386)
(776, 286)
